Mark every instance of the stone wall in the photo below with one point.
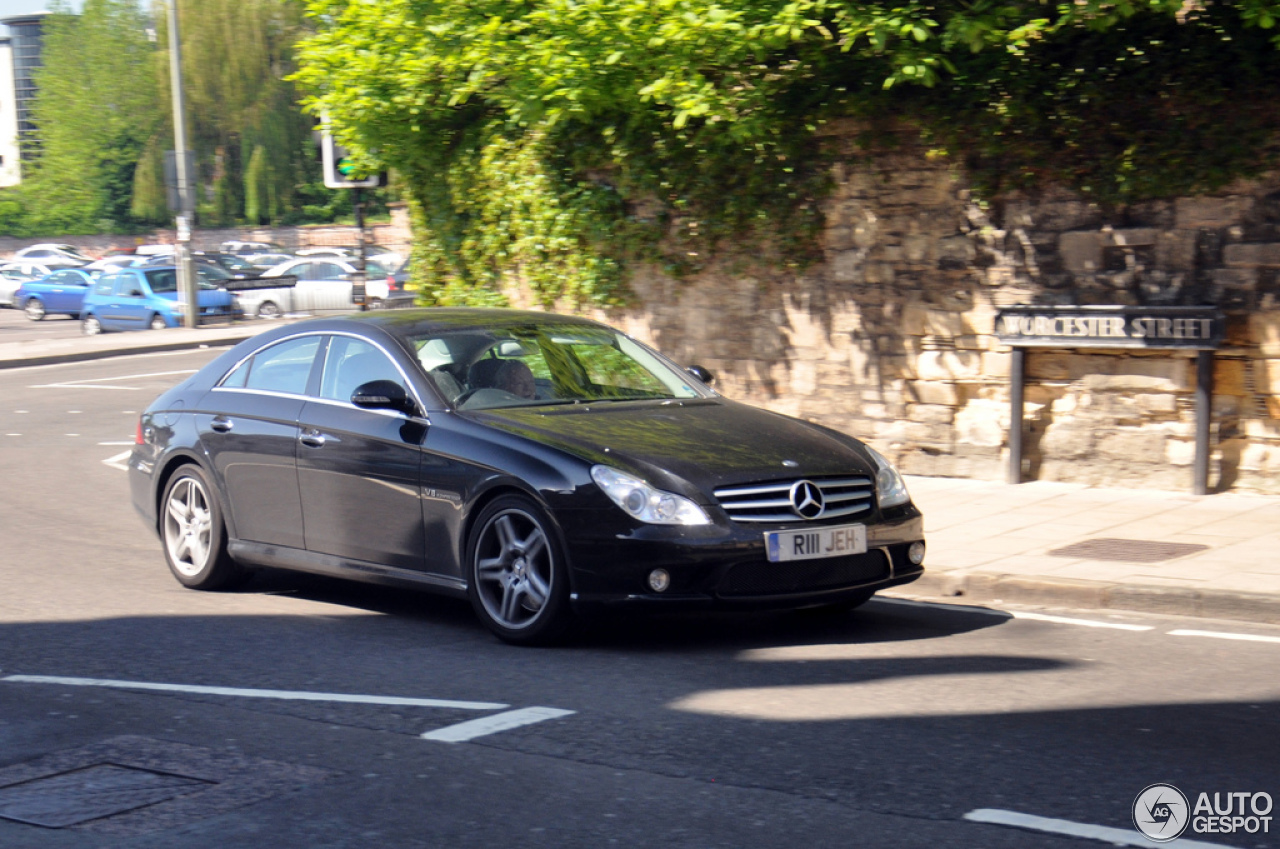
(394, 235)
(891, 336)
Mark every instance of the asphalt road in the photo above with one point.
(293, 712)
(16, 327)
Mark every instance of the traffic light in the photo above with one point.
(339, 171)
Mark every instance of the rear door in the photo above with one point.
(252, 442)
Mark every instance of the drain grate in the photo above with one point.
(129, 785)
(81, 795)
(1129, 550)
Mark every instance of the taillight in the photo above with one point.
(137, 437)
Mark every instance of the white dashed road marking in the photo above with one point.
(459, 733)
(287, 695)
(471, 729)
(1105, 834)
(119, 461)
(1253, 638)
(1087, 623)
(102, 382)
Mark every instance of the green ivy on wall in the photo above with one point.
(552, 143)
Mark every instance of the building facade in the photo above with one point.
(19, 59)
(10, 173)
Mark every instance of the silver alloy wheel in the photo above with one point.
(514, 569)
(90, 325)
(188, 527)
(34, 308)
(157, 322)
(268, 310)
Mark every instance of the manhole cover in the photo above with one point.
(98, 791)
(1131, 550)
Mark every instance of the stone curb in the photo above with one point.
(1098, 595)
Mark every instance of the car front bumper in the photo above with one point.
(727, 567)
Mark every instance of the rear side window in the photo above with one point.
(285, 367)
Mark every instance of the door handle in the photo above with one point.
(312, 438)
(222, 425)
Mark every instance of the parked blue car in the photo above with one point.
(59, 293)
(141, 298)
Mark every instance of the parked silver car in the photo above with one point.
(323, 287)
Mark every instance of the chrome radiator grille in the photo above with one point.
(795, 500)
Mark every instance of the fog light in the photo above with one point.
(916, 553)
(659, 580)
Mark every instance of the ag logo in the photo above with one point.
(1161, 813)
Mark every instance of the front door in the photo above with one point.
(358, 470)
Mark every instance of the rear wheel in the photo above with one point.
(193, 533)
(34, 308)
(517, 576)
(90, 326)
(268, 310)
(158, 322)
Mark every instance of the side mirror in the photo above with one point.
(384, 395)
(702, 374)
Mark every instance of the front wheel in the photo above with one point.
(158, 322)
(193, 533)
(268, 310)
(90, 326)
(517, 576)
(34, 308)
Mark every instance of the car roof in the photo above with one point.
(420, 321)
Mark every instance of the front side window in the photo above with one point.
(163, 280)
(128, 286)
(351, 362)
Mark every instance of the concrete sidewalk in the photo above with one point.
(1072, 545)
(1050, 544)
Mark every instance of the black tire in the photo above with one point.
(34, 309)
(90, 326)
(158, 322)
(268, 309)
(193, 533)
(517, 574)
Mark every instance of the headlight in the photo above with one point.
(891, 489)
(645, 503)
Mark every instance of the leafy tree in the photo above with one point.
(94, 118)
(252, 139)
(548, 141)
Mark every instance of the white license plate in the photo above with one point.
(833, 541)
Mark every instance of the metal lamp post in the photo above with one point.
(182, 252)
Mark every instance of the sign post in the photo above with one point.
(1200, 329)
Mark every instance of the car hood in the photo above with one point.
(705, 442)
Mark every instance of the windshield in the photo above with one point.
(543, 365)
(166, 279)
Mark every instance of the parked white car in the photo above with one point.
(324, 286)
(14, 274)
(52, 255)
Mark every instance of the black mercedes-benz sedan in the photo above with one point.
(539, 464)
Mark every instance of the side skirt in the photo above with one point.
(297, 560)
